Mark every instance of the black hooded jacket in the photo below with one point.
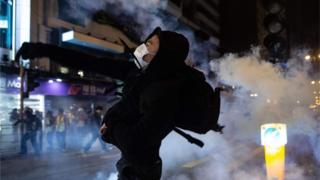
(148, 110)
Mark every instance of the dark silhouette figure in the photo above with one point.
(30, 125)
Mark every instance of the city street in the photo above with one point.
(71, 164)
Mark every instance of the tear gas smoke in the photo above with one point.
(113, 176)
(236, 153)
(143, 16)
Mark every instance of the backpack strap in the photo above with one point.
(191, 139)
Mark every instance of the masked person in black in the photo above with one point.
(147, 112)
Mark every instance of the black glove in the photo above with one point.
(32, 50)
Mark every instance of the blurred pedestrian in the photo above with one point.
(14, 117)
(50, 129)
(94, 124)
(81, 126)
(71, 129)
(30, 125)
(61, 128)
(39, 135)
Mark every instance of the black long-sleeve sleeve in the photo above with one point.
(159, 111)
(117, 68)
(18, 122)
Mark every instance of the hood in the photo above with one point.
(173, 50)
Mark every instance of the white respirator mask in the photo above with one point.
(139, 53)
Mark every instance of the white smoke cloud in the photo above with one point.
(148, 14)
(284, 96)
(113, 176)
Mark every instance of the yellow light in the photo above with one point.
(275, 162)
(307, 57)
(312, 106)
(274, 139)
(313, 82)
(319, 56)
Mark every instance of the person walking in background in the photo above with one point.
(94, 126)
(50, 129)
(39, 133)
(30, 125)
(14, 117)
(81, 126)
(61, 127)
(71, 136)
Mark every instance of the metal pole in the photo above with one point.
(22, 75)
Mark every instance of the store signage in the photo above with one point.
(11, 84)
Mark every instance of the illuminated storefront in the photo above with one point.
(6, 29)
(10, 99)
(50, 95)
(6, 14)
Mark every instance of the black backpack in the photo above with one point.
(199, 105)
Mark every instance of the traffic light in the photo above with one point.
(31, 83)
(274, 23)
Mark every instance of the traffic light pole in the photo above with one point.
(22, 75)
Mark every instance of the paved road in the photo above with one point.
(98, 165)
(71, 164)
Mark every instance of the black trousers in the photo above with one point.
(128, 171)
(32, 136)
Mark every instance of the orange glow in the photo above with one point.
(275, 162)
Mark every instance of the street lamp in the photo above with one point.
(307, 57)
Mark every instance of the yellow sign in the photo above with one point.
(274, 139)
